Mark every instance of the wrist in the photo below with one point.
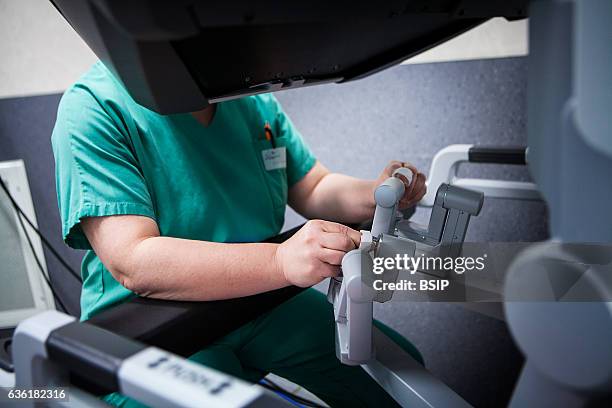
(278, 271)
(370, 201)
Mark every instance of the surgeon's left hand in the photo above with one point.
(415, 190)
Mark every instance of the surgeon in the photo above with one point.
(172, 207)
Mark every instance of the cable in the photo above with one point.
(283, 396)
(277, 388)
(44, 240)
(40, 267)
(307, 403)
(20, 216)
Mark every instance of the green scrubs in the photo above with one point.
(114, 157)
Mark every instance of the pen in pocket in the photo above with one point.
(269, 134)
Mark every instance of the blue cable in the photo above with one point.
(282, 395)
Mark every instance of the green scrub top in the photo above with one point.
(114, 157)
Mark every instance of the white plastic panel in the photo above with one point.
(23, 292)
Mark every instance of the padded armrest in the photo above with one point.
(184, 328)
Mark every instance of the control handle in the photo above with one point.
(498, 155)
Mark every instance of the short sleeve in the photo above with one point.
(300, 159)
(96, 171)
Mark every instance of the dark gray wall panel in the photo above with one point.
(25, 133)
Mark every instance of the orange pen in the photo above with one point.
(269, 134)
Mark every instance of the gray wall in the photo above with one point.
(406, 113)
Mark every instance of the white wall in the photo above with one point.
(40, 53)
(496, 38)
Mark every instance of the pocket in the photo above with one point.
(276, 179)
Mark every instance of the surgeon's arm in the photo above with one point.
(338, 197)
(131, 248)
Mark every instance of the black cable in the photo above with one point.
(275, 387)
(40, 267)
(40, 234)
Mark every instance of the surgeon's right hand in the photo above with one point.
(315, 252)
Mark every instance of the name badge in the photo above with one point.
(274, 158)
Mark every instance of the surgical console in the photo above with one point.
(156, 49)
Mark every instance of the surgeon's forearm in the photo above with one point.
(343, 198)
(172, 268)
(131, 248)
(333, 196)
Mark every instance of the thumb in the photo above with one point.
(334, 227)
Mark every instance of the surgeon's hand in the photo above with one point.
(315, 252)
(415, 191)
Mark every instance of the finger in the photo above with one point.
(413, 201)
(421, 195)
(410, 187)
(404, 180)
(417, 194)
(329, 271)
(411, 167)
(392, 166)
(332, 227)
(331, 256)
(420, 184)
(407, 166)
(337, 241)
